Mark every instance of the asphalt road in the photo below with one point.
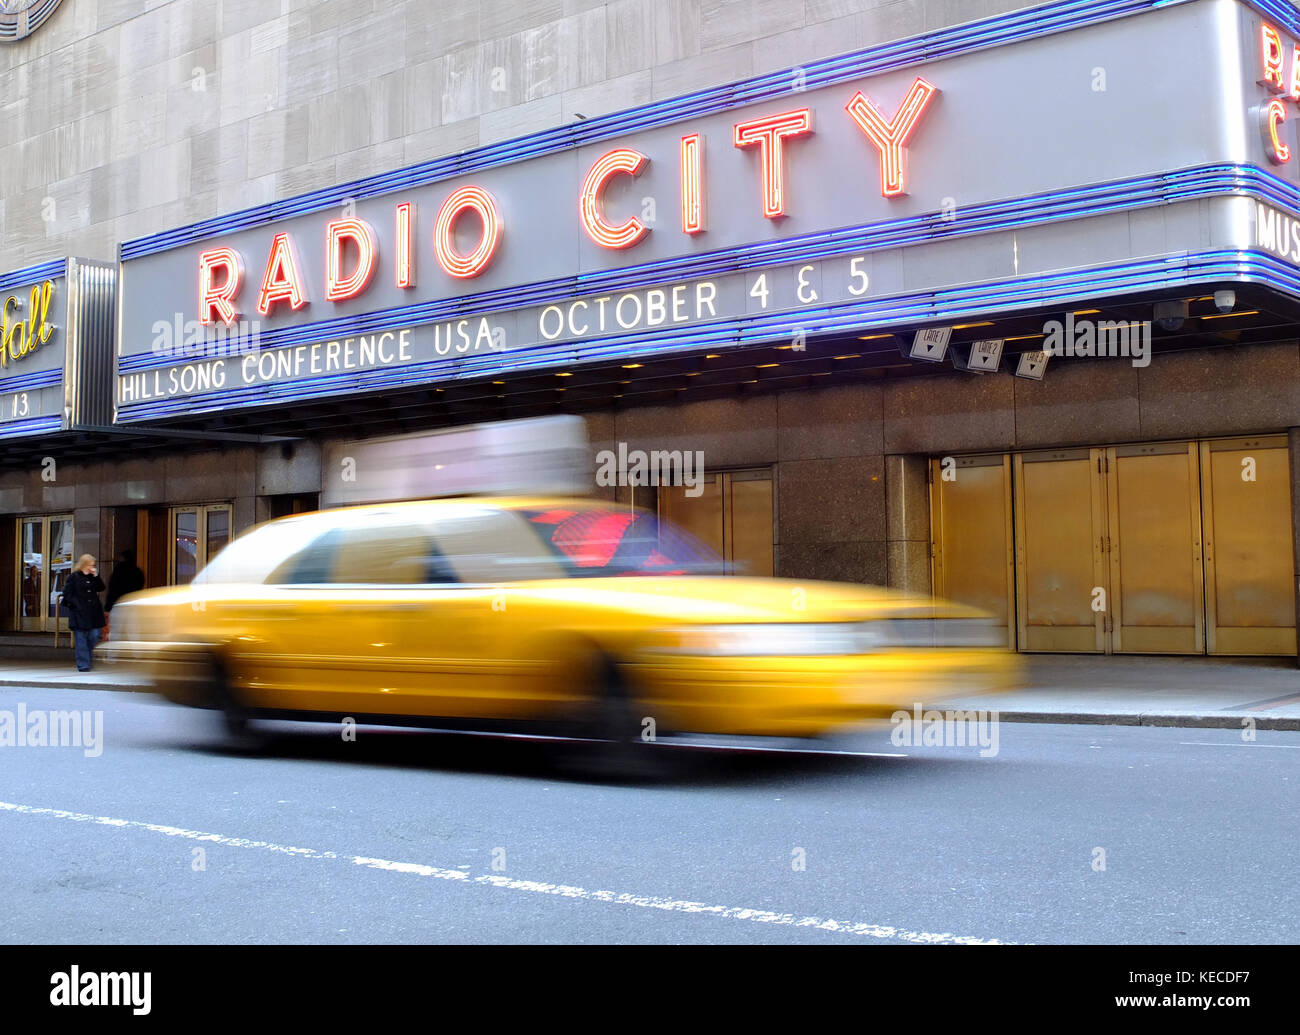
(407, 836)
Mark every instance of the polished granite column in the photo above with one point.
(907, 500)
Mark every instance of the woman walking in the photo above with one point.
(84, 610)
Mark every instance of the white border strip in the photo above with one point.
(761, 916)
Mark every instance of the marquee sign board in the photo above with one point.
(56, 326)
(884, 201)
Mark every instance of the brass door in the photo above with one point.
(749, 522)
(1249, 557)
(732, 515)
(700, 515)
(1153, 543)
(1062, 589)
(973, 549)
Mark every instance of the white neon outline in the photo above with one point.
(471, 265)
(891, 135)
(769, 134)
(337, 287)
(223, 296)
(282, 259)
(600, 230)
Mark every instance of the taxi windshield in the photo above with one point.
(603, 541)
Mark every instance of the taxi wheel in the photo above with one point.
(235, 719)
(614, 728)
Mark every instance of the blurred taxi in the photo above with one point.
(589, 618)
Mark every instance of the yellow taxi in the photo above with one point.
(575, 615)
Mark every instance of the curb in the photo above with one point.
(57, 684)
(1211, 720)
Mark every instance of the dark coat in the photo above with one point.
(126, 578)
(81, 601)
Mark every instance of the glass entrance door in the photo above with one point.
(45, 559)
(199, 533)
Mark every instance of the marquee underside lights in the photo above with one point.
(604, 233)
(467, 199)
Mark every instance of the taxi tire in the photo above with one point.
(235, 718)
(616, 749)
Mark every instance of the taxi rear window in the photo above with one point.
(603, 541)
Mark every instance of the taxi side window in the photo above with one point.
(397, 555)
(309, 566)
(393, 555)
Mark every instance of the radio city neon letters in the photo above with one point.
(283, 281)
(219, 295)
(890, 136)
(599, 229)
(1273, 76)
(337, 235)
(352, 247)
(769, 134)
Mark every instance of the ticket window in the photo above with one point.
(198, 534)
(45, 561)
(730, 511)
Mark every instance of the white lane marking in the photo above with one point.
(762, 916)
(1234, 744)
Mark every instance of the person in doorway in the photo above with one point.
(85, 612)
(126, 578)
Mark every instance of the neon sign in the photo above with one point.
(20, 338)
(1272, 113)
(353, 248)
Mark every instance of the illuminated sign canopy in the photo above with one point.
(351, 244)
(893, 189)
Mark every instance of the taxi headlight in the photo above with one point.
(792, 639)
(804, 639)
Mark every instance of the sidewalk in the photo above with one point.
(1062, 688)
